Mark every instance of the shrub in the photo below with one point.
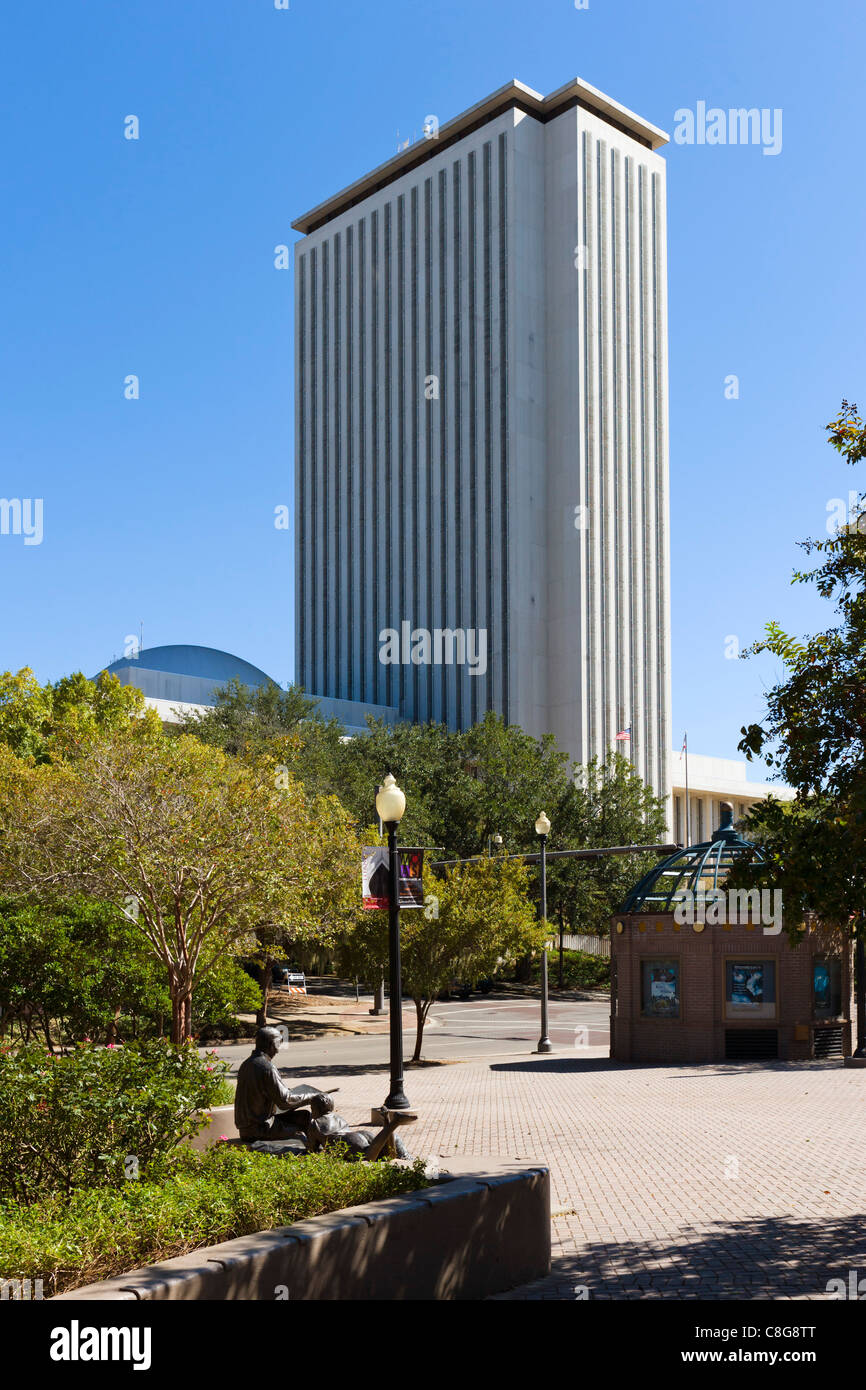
(82, 970)
(96, 1115)
(219, 1195)
(225, 991)
(580, 970)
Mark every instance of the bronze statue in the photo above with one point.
(272, 1118)
(261, 1093)
(326, 1129)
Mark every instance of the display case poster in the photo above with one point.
(747, 984)
(663, 1000)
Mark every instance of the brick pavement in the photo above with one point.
(710, 1182)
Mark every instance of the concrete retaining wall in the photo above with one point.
(480, 1233)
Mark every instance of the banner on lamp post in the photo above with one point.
(375, 868)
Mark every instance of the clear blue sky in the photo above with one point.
(155, 257)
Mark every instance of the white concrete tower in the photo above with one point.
(481, 427)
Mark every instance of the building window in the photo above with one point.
(827, 988)
(678, 820)
(750, 989)
(660, 988)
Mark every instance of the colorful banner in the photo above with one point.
(411, 877)
(375, 882)
(375, 877)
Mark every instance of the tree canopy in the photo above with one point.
(814, 731)
(197, 848)
(46, 722)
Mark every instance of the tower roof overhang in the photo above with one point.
(513, 94)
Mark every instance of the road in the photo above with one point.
(456, 1031)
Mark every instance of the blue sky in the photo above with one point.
(154, 257)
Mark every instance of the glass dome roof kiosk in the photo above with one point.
(699, 870)
(702, 972)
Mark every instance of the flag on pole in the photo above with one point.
(625, 733)
(684, 748)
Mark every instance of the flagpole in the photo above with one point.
(688, 817)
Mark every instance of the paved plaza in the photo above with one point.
(709, 1182)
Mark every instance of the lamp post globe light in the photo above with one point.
(390, 805)
(542, 830)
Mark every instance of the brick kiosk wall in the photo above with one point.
(698, 1035)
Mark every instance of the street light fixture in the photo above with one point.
(542, 830)
(390, 805)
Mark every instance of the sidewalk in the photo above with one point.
(713, 1182)
(310, 1016)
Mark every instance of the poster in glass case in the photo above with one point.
(747, 984)
(661, 989)
(750, 989)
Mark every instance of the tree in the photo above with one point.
(607, 803)
(478, 920)
(197, 848)
(83, 970)
(46, 722)
(814, 731)
(246, 720)
(465, 787)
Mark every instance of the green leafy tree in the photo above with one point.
(814, 731)
(45, 722)
(246, 720)
(83, 970)
(606, 804)
(74, 972)
(197, 848)
(478, 920)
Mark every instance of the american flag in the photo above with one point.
(625, 733)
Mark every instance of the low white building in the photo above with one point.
(711, 781)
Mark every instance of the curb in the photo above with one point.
(467, 1238)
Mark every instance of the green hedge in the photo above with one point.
(202, 1199)
(581, 970)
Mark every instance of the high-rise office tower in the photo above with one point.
(481, 428)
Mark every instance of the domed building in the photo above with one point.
(704, 972)
(184, 677)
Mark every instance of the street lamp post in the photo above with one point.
(542, 830)
(860, 989)
(390, 805)
(561, 950)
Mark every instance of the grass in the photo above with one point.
(200, 1199)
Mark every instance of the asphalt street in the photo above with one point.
(456, 1031)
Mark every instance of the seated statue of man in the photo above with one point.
(261, 1093)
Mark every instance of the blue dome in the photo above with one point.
(205, 662)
